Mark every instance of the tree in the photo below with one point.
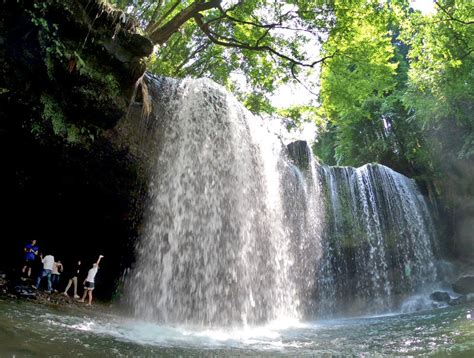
(441, 88)
(389, 76)
(264, 42)
(362, 90)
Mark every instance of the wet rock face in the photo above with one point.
(299, 153)
(68, 70)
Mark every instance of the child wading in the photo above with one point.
(89, 281)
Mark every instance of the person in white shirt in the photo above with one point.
(89, 281)
(48, 263)
(57, 269)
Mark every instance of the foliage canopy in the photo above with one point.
(261, 43)
(395, 85)
(403, 97)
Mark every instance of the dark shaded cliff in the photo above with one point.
(68, 71)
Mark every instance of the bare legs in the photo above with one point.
(72, 281)
(24, 269)
(68, 286)
(87, 292)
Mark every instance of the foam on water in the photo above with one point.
(270, 336)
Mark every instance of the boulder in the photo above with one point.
(440, 296)
(457, 301)
(464, 285)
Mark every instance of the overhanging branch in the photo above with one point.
(451, 17)
(162, 34)
(228, 42)
(295, 77)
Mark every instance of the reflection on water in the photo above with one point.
(31, 329)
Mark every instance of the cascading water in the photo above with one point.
(378, 240)
(215, 249)
(304, 216)
(241, 230)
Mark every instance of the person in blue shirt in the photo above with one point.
(31, 252)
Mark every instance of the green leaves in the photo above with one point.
(401, 92)
(441, 75)
(391, 81)
(358, 85)
(265, 42)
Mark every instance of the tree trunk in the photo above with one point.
(161, 35)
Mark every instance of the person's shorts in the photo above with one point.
(29, 263)
(89, 285)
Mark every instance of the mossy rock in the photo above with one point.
(80, 54)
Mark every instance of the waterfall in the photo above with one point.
(241, 229)
(378, 244)
(304, 216)
(215, 249)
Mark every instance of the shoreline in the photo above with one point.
(9, 290)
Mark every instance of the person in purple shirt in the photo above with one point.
(31, 252)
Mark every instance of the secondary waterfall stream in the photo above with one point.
(378, 242)
(241, 230)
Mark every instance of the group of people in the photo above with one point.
(52, 269)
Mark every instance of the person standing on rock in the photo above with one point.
(73, 275)
(31, 252)
(57, 269)
(48, 263)
(89, 281)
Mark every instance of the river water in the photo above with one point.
(29, 329)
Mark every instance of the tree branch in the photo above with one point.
(260, 39)
(451, 17)
(215, 38)
(162, 34)
(293, 74)
(158, 22)
(152, 22)
(190, 56)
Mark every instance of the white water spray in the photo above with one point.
(241, 230)
(215, 249)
